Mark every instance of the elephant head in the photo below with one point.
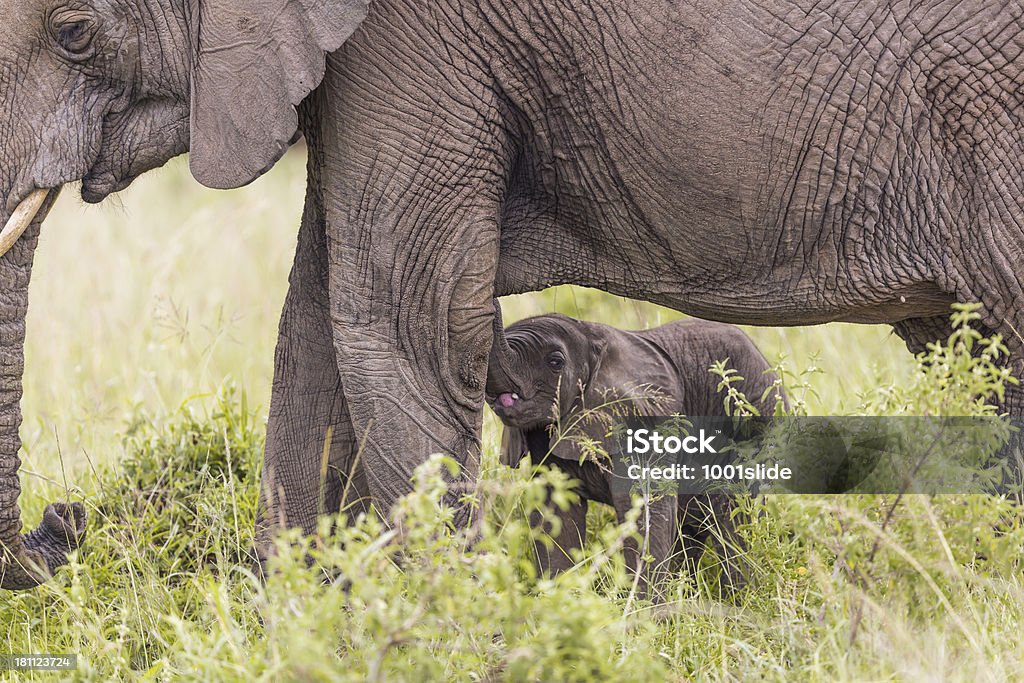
(539, 369)
(102, 91)
(549, 370)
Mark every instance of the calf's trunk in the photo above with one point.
(500, 363)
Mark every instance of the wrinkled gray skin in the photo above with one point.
(775, 163)
(558, 371)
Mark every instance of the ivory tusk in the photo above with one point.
(21, 219)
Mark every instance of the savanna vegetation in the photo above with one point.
(150, 346)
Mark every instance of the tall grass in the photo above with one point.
(150, 344)
(150, 298)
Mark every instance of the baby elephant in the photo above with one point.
(547, 370)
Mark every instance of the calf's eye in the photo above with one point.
(556, 362)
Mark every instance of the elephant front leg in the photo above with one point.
(310, 465)
(412, 325)
(648, 553)
(1013, 405)
(412, 154)
(554, 551)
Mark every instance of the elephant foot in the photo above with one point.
(61, 531)
(46, 547)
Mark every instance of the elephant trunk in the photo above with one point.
(25, 560)
(501, 363)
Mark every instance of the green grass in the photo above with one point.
(150, 346)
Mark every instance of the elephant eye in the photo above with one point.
(556, 361)
(73, 31)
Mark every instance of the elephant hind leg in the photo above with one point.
(919, 332)
(706, 523)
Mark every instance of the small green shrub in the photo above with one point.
(187, 492)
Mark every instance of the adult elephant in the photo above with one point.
(768, 162)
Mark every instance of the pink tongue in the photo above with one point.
(506, 401)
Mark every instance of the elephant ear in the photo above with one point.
(626, 376)
(626, 372)
(252, 64)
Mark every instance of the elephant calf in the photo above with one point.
(548, 369)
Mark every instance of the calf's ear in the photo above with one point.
(252, 63)
(625, 372)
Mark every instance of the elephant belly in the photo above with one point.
(689, 175)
